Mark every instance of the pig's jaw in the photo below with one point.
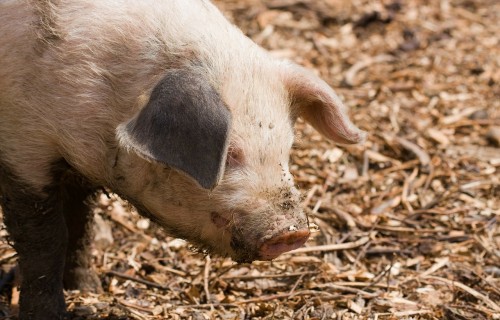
(243, 241)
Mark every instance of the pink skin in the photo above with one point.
(283, 243)
(271, 248)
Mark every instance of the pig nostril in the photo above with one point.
(287, 241)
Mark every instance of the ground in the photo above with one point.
(407, 223)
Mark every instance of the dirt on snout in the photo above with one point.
(407, 223)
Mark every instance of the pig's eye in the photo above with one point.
(235, 156)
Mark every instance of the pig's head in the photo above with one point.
(208, 159)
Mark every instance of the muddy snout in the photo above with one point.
(283, 242)
(266, 235)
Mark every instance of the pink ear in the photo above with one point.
(317, 103)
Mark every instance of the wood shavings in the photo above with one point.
(494, 306)
(331, 247)
(351, 73)
(419, 152)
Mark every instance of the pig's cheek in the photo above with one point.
(219, 221)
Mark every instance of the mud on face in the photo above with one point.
(265, 225)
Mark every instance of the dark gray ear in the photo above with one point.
(184, 125)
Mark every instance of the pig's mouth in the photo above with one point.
(284, 242)
(271, 248)
(265, 245)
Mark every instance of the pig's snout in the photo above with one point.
(284, 242)
(255, 238)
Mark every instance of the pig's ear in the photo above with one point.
(184, 125)
(314, 101)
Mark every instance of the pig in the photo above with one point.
(165, 103)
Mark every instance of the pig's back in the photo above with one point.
(16, 43)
